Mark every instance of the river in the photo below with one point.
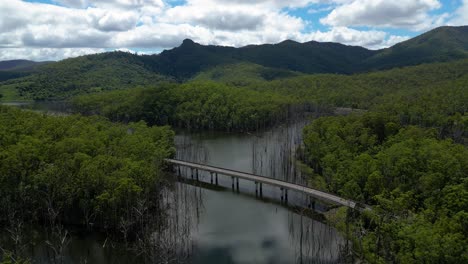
(218, 225)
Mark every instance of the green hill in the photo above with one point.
(243, 74)
(85, 74)
(21, 65)
(308, 57)
(438, 45)
(13, 69)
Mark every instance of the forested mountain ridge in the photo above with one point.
(120, 70)
(20, 65)
(85, 74)
(12, 69)
(438, 45)
(243, 74)
(311, 57)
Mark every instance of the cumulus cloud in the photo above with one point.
(97, 25)
(214, 17)
(265, 3)
(411, 14)
(371, 39)
(112, 4)
(43, 54)
(105, 20)
(73, 3)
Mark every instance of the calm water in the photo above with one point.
(240, 228)
(216, 225)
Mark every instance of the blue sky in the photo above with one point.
(57, 29)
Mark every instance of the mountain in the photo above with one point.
(308, 57)
(85, 74)
(20, 65)
(12, 69)
(438, 45)
(243, 74)
(190, 58)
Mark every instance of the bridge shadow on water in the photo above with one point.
(296, 202)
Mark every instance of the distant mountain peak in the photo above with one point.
(188, 42)
(288, 41)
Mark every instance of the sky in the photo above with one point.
(57, 29)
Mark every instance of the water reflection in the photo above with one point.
(234, 227)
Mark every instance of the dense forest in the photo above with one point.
(431, 95)
(85, 171)
(195, 105)
(415, 180)
(85, 74)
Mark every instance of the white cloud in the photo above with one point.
(90, 25)
(106, 20)
(43, 54)
(461, 15)
(111, 4)
(371, 39)
(73, 3)
(320, 10)
(265, 3)
(411, 14)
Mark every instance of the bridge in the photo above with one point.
(259, 180)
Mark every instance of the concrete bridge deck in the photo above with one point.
(282, 184)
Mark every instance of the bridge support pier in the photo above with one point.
(191, 172)
(237, 184)
(211, 177)
(282, 190)
(232, 183)
(178, 170)
(311, 203)
(261, 190)
(196, 171)
(286, 195)
(216, 175)
(256, 188)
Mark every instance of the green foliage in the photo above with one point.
(20, 65)
(416, 182)
(432, 95)
(438, 45)
(243, 74)
(7, 75)
(83, 169)
(13, 69)
(195, 105)
(7, 257)
(85, 74)
(401, 157)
